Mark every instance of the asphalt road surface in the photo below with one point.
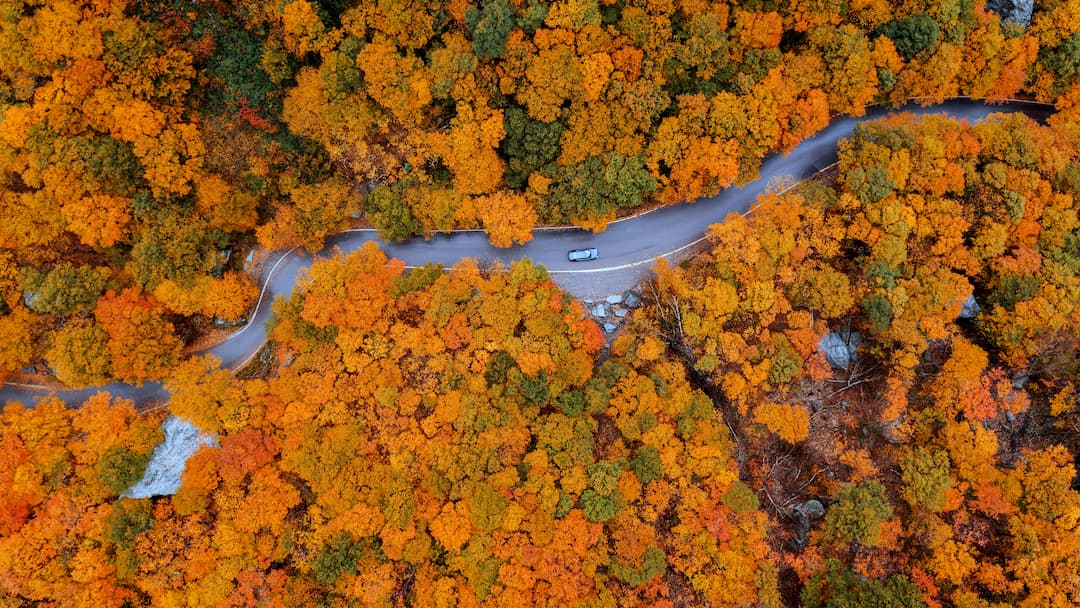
(626, 249)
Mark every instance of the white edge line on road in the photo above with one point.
(262, 295)
(695, 242)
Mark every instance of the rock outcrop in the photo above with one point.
(971, 308)
(841, 348)
(1017, 11)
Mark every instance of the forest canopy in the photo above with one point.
(143, 144)
(415, 437)
(468, 437)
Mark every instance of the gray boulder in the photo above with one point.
(1020, 380)
(610, 327)
(227, 323)
(813, 509)
(840, 348)
(804, 515)
(614, 299)
(632, 300)
(1017, 11)
(598, 311)
(224, 255)
(971, 308)
(162, 476)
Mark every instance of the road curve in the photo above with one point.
(625, 247)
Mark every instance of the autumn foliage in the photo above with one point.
(431, 436)
(926, 444)
(444, 436)
(470, 437)
(591, 108)
(154, 139)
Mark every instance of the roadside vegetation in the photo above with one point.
(146, 147)
(466, 438)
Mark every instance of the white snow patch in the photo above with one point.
(162, 476)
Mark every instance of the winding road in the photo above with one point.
(627, 248)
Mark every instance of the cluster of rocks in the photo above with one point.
(805, 515)
(613, 310)
(841, 348)
(227, 323)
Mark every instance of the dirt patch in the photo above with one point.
(262, 365)
(261, 263)
(207, 338)
(36, 378)
(607, 434)
(356, 223)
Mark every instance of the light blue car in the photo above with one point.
(582, 255)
